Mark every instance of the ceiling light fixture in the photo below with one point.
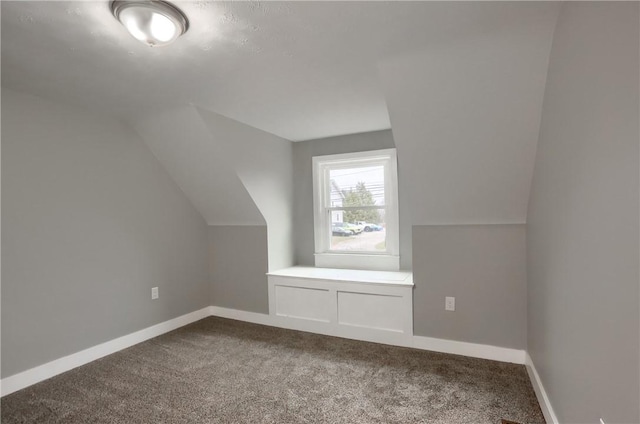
(153, 22)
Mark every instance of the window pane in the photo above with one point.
(361, 186)
(360, 230)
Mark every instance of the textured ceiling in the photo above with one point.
(300, 70)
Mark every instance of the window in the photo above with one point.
(356, 210)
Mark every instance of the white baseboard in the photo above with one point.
(541, 394)
(253, 317)
(473, 350)
(50, 369)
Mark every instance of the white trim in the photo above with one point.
(42, 372)
(469, 223)
(236, 224)
(328, 311)
(393, 278)
(357, 261)
(324, 256)
(50, 369)
(253, 317)
(541, 394)
(474, 350)
(277, 321)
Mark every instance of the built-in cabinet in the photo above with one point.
(364, 305)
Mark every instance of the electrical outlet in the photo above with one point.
(450, 303)
(154, 293)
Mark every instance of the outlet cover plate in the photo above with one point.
(450, 303)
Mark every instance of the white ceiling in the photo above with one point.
(300, 70)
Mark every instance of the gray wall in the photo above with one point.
(583, 313)
(484, 267)
(239, 178)
(238, 265)
(465, 115)
(263, 162)
(303, 188)
(91, 222)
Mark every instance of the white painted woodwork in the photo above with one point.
(365, 305)
(325, 257)
(34, 375)
(301, 302)
(50, 369)
(380, 312)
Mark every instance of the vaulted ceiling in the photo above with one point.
(299, 70)
(460, 84)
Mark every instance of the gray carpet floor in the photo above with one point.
(225, 371)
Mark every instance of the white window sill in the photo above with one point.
(393, 278)
(357, 261)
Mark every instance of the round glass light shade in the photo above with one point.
(153, 22)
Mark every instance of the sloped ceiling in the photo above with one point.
(182, 143)
(465, 117)
(234, 174)
(264, 164)
(299, 70)
(460, 83)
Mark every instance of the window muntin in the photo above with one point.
(355, 204)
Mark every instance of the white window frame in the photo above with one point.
(324, 256)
